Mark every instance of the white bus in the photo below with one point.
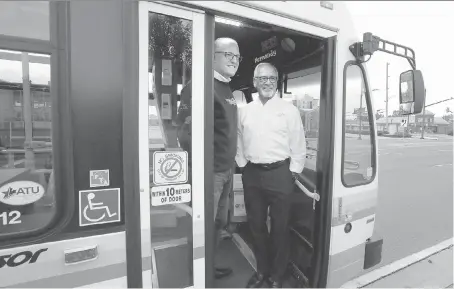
(110, 199)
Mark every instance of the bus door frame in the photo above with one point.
(202, 117)
(202, 151)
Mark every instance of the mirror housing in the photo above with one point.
(411, 92)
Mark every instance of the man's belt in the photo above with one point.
(270, 166)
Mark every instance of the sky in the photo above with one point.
(422, 26)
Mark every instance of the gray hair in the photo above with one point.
(265, 64)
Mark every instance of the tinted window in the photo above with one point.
(27, 196)
(28, 19)
(303, 89)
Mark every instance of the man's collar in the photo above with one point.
(275, 96)
(221, 78)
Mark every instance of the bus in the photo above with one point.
(95, 189)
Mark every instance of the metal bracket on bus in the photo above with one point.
(81, 255)
(314, 196)
(372, 43)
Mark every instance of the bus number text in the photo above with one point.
(10, 218)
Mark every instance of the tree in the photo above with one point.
(170, 38)
(448, 115)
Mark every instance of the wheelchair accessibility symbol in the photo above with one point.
(99, 207)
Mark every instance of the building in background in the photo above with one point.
(415, 122)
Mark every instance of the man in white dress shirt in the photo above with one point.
(272, 151)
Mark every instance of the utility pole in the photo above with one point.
(387, 88)
(408, 123)
(423, 116)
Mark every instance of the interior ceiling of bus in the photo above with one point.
(265, 43)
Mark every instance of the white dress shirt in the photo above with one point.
(270, 133)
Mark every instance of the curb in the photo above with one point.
(398, 265)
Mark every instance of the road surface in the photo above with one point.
(415, 203)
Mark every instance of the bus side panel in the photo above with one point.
(356, 205)
(47, 267)
(95, 61)
(96, 88)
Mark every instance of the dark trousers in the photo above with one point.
(263, 189)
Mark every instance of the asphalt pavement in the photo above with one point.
(415, 203)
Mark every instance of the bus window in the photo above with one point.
(27, 200)
(28, 19)
(169, 127)
(303, 89)
(358, 158)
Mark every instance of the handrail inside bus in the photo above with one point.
(314, 195)
(306, 180)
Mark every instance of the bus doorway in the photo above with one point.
(298, 58)
(173, 160)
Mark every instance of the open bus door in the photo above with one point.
(171, 56)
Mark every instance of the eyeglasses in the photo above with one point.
(264, 79)
(230, 56)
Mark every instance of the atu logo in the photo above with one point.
(20, 258)
(21, 193)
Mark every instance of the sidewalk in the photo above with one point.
(434, 272)
(429, 268)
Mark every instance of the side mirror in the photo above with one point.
(411, 92)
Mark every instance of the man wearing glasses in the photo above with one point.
(272, 150)
(225, 63)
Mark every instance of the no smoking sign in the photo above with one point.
(170, 167)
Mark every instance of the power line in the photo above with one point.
(440, 101)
